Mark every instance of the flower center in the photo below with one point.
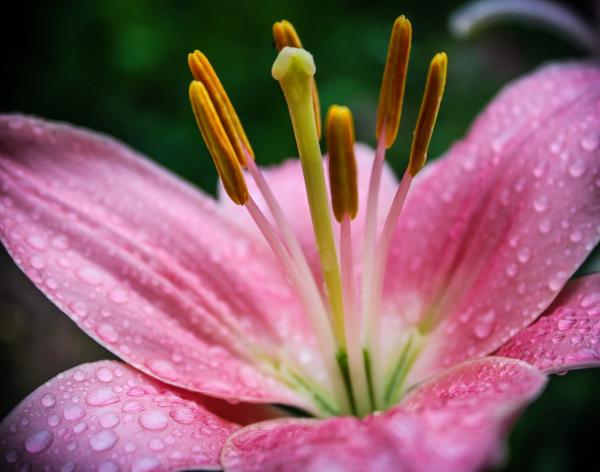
(345, 321)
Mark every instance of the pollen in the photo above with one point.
(218, 143)
(393, 84)
(342, 163)
(284, 35)
(203, 72)
(430, 105)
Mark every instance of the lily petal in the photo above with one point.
(287, 183)
(452, 423)
(107, 416)
(491, 233)
(567, 336)
(143, 263)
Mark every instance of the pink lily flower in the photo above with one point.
(475, 307)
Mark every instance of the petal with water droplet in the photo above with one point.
(501, 243)
(455, 422)
(116, 234)
(567, 335)
(102, 432)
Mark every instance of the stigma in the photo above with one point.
(344, 310)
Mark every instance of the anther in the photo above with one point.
(432, 98)
(202, 71)
(284, 34)
(218, 143)
(342, 163)
(393, 84)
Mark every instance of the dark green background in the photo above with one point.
(120, 67)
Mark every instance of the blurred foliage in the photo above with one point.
(120, 67)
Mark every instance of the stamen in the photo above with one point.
(218, 143)
(432, 98)
(284, 34)
(203, 72)
(344, 196)
(342, 163)
(430, 105)
(394, 81)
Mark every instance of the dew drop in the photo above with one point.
(183, 415)
(80, 309)
(53, 420)
(523, 255)
(104, 374)
(484, 325)
(576, 236)
(540, 204)
(80, 427)
(132, 406)
(78, 375)
(107, 333)
(102, 397)
(118, 295)
(103, 440)
(90, 275)
(557, 281)
(590, 142)
(565, 324)
(48, 400)
(37, 242)
(146, 464)
(38, 441)
(108, 466)
(154, 420)
(590, 299)
(511, 270)
(109, 420)
(73, 412)
(11, 456)
(156, 444)
(162, 368)
(577, 168)
(37, 262)
(545, 226)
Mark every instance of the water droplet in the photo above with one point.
(183, 415)
(577, 168)
(576, 339)
(118, 295)
(590, 299)
(146, 464)
(90, 275)
(545, 226)
(103, 440)
(590, 142)
(53, 420)
(107, 333)
(68, 467)
(37, 242)
(557, 281)
(108, 466)
(60, 242)
(48, 400)
(523, 255)
(104, 374)
(485, 324)
(102, 397)
(11, 456)
(78, 375)
(154, 420)
(156, 444)
(37, 262)
(38, 441)
(132, 406)
(80, 309)
(162, 368)
(80, 427)
(576, 236)
(540, 204)
(565, 324)
(511, 270)
(73, 412)
(109, 420)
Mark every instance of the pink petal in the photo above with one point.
(107, 416)
(567, 336)
(287, 183)
(492, 232)
(144, 263)
(452, 423)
